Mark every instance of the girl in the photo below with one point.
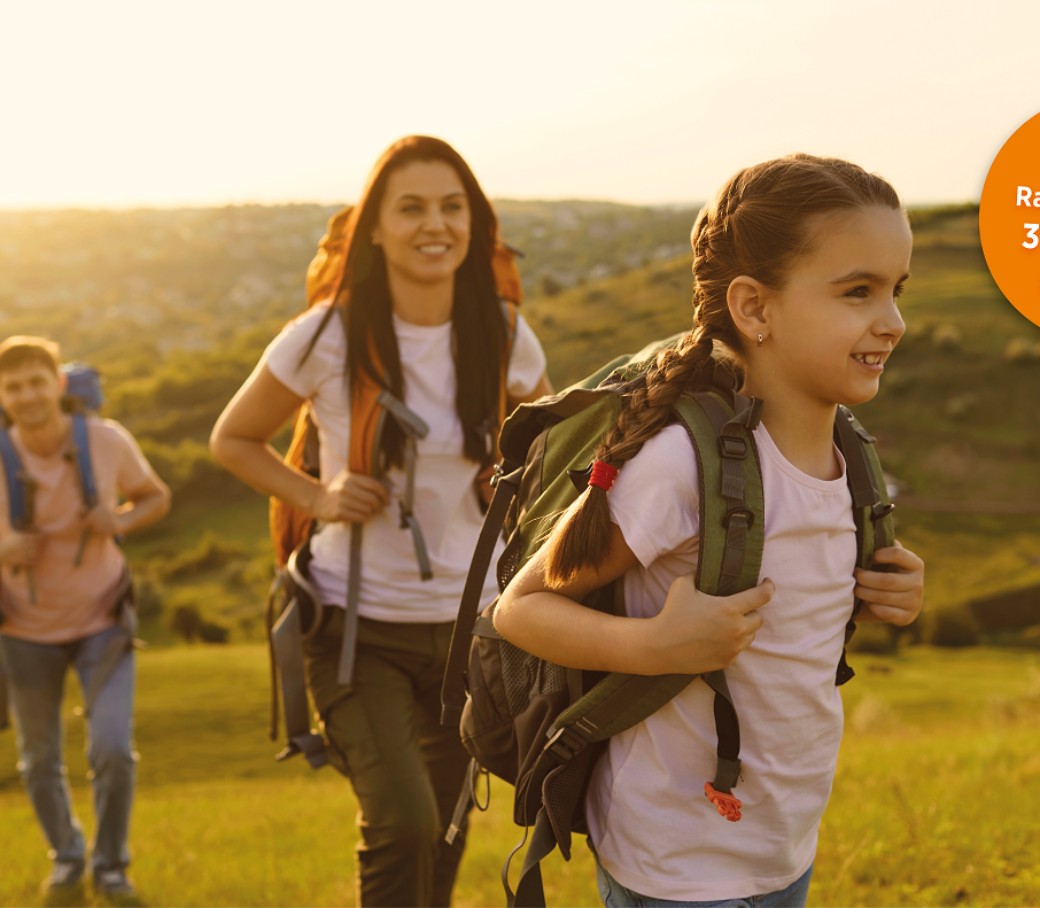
(797, 266)
(419, 298)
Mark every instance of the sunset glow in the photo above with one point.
(126, 103)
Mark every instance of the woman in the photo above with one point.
(416, 312)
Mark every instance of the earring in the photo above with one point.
(760, 338)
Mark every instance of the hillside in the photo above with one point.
(176, 306)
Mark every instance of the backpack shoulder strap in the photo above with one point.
(510, 316)
(84, 464)
(731, 513)
(871, 507)
(453, 685)
(730, 484)
(875, 526)
(16, 500)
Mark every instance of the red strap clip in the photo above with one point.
(726, 804)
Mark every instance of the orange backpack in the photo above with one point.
(289, 526)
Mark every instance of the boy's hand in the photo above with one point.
(895, 596)
(21, 549)
(104, 521)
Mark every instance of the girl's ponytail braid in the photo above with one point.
(581, 537)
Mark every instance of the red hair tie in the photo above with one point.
(603, 475)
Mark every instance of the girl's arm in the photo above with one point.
(693, 633)
(239, 442)
(896, 597)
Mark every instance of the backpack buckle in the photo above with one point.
(726, 803)
(511, 477)
(881, 510)
(732, 447)
(746, 516)
(566, 744)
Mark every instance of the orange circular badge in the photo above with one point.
(1009, 219)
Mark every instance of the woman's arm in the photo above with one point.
(541, 389)
(693, 633)
(239, 442)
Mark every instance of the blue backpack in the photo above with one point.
(83, 395)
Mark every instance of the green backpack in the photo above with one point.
(541, 726)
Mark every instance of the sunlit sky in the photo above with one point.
(117, 103)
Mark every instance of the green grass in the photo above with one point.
(934, 803)
(971, 556)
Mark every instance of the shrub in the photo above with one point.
(214, 632)
(1021, 350)
(960, 405)
(186, 622)
(211, 553)
(1008, 611)
(953, 628)
(947, 337)
(1030, 637)
(551, 286)
(874, 638)
(148, 597)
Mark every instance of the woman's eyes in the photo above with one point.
(414, 208)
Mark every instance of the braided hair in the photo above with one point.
(761, 221)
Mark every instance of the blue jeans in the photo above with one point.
(36, 680)
(615, 895)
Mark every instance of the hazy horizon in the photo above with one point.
(122, 105)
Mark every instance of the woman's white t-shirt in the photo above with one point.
(653, 828)
(445, 505)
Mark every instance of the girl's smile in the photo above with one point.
(832, 325)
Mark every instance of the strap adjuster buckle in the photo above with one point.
(881, 510)
(746, 516)
(732, 447)
(566, 744)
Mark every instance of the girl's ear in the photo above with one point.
(746, 299)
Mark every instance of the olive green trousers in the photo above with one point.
(406, 770)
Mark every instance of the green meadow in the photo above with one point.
(939, 777)
(935, 802)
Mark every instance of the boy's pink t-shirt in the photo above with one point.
(653, 828)
(71, 601)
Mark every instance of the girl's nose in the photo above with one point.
(890, 322)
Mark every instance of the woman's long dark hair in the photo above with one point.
(478, 325)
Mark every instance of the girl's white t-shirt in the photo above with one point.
(653, 828)
(445, 502)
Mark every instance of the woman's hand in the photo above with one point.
(896, 596)
(349, 498)
(698, 633)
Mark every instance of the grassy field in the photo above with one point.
(935, 801)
